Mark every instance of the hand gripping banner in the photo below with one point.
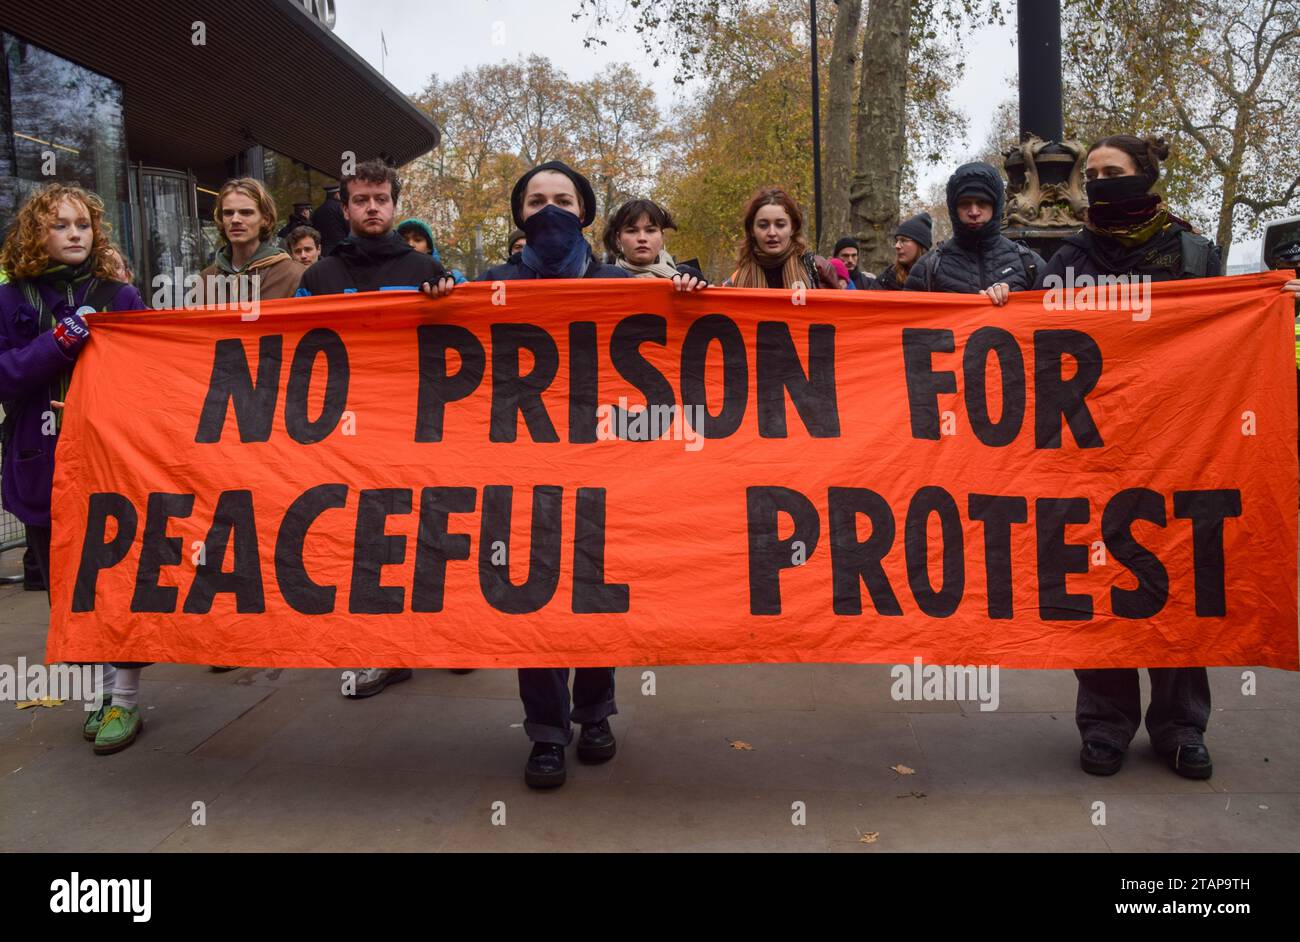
(595, 473)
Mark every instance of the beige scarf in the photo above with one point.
(662, 267)
(749, 273)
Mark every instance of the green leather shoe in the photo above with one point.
(95, 720)
(119, 729)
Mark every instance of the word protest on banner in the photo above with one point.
(584, 473)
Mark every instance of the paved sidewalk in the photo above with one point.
(281, 761)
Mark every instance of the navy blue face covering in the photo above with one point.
(555, 247)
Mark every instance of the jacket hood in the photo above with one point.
(982, 180)
(423, 227)
(267, 254)
(364, 249)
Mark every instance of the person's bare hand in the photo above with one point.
(685, 282)
(998, 293)
(56, 404)
(1293, 286)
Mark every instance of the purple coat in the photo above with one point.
(29, 362)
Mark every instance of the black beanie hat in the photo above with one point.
(846, 242)
(918, 229)
(585, 193)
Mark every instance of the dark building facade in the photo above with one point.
(133, 99)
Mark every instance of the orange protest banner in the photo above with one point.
(593, 473)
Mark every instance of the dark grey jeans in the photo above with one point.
(1109, 708)
(545, 692)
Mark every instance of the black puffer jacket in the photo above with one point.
(974, 259)
(383, 263)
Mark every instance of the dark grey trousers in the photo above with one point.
(548, 710)
(1109, 708)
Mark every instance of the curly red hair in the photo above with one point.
(24, 255)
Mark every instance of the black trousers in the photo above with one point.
(38, 541)
(547, 707)
(1109, 708)
(32, 578)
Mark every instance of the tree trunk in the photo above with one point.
(844, 42)
(1232, 181)
(882, 125)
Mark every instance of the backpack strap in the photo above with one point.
(1028, 263)
(933, 268)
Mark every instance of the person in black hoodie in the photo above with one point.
(372, 258)
(1130, 232)
(978, 259)
(552, 204)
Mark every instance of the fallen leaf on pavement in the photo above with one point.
(903, 770)
(740, 744)
(43, 701)
(869, 838)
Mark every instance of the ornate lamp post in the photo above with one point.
(1046, 198)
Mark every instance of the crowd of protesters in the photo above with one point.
(59, 265)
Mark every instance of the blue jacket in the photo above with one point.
(30, 361)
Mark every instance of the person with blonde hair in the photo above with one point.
(61, 268)
(249, 265)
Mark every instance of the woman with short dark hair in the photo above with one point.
(634, 238)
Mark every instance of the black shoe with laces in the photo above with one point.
(545, 768)
(1191, 761)
(596, 743)
(1098, 758)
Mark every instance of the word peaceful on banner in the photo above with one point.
(582, 473)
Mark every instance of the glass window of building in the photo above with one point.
(61, 122)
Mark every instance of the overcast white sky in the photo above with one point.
(444, 37)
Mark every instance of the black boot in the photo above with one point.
(1191, 761)
(1098, 758)
(596, 743)
(545, 768)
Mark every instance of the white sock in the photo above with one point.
(126, 687)
(106, 674)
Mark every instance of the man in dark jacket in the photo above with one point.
(301, 216)
(846, 250)
(912, 239)
(978, 259)
(372, 258)
(329, 220)
(552, 204)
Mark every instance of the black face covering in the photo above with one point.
(1117, 189)
(1123, 206)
